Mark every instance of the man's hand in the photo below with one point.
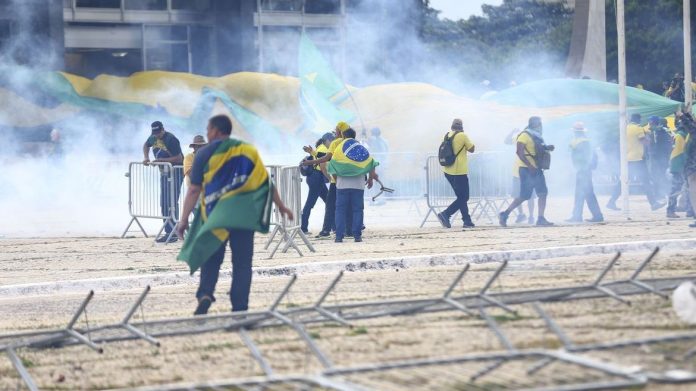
(285, 212)
(308, 149)
(181, 228)
(370, 183)
(146, 161)
(550, 148)
(533, 170)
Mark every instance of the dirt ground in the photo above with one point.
(223, 355)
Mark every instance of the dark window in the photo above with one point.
(191, 5)
(146, 4)
(323, 6)
(99, 3)
(281, 5)
(166, 33)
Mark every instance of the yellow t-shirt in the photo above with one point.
(634, 142)
(188, 164)
(460, 142)
(320, 149)
(679, 143)
(332, 147)
(530, 150)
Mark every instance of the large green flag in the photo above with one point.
(236, 194)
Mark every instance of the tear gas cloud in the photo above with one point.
(84, 192)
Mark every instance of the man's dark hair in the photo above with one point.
(222, 123)
(349, 133)
(635, 118)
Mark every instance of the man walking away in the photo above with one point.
(531, 151)
(677, 161)
(636, 142)
(457, 175)
(511, 139)
(166, 149)
(316, 180)
(584, 161)
(234, 193)
(350, 163)
(197, 144)
(690, 163)
(659, 151)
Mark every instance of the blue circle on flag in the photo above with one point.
(355, 151)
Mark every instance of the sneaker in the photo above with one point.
(574, 220)
(444, 221)
(657, 205)
(323, 234)
(161, 239)
(502, 219)
(612, 206)
(692, 225)
(203, 305)
(595, 220)
(469, 224)
(672, 215)
(542, 222)
(337, 240)
(358, 239)
(520, 218)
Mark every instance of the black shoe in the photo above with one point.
(692, 225)
(358, 239)
(502, 219)
(444, 221)
(469, 224)
(542, 222)
(612, 206)
(657, 205)
(161, 239)
(595, 220)
(337, 240)
(323, 234)
(520, 218)
(574, 220)
(203, 305)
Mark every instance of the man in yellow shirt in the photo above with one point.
(198, 143)
(457, 175)
(531, 177)
(511, 139)
(636, 142)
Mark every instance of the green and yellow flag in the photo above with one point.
(236, 194)
(351, 159)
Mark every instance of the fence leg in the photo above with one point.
(431, 210)
(132, 329)
(21, 369)
(318, 305)
(272, 237)
(134, 219)
(255, 352)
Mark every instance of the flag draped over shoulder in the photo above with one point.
(236, 194)
(351, 159)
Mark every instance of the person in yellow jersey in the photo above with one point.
(677, 161)
(330, 213)
(511, 139)
(529, 153)
(198, 143)
(316, 180)
(637, 139)
(457, 175)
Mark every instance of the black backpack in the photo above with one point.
(306, 170)
(446, 154)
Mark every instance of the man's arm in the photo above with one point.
(372, 176)
(322, 159)
(146, 152)
(194, 191)
(281, 206)
(521, 153)
(324, 171)
(178, 159)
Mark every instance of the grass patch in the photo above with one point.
(27, 363)
(358, 331)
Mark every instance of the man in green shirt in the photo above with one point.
(584, 161)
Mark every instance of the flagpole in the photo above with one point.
(623, 147)
(688, 97)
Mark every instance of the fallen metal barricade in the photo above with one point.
(489, 186)
(288, 181)
(474, 304)
(154, 192)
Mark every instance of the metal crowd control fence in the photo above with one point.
(489, 185)
(288, 181)
(400, 171)
(523, 367)
(154, 191)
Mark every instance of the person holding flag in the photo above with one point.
(235, 193)
(350, 162)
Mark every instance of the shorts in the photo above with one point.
(532, 183)
(516, 189)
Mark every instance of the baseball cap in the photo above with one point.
(157, 127)
(198, 140)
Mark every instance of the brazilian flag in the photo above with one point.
(236, 194)
(350, 158)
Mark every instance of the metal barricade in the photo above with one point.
(489, 185)
(154, 191)
(288, 181)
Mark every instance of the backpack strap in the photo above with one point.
(452, 138)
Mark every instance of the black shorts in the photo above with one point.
(532, 183)
(515, 193)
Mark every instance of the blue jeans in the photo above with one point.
(349, 199)
(317, 189)
(242, 246)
